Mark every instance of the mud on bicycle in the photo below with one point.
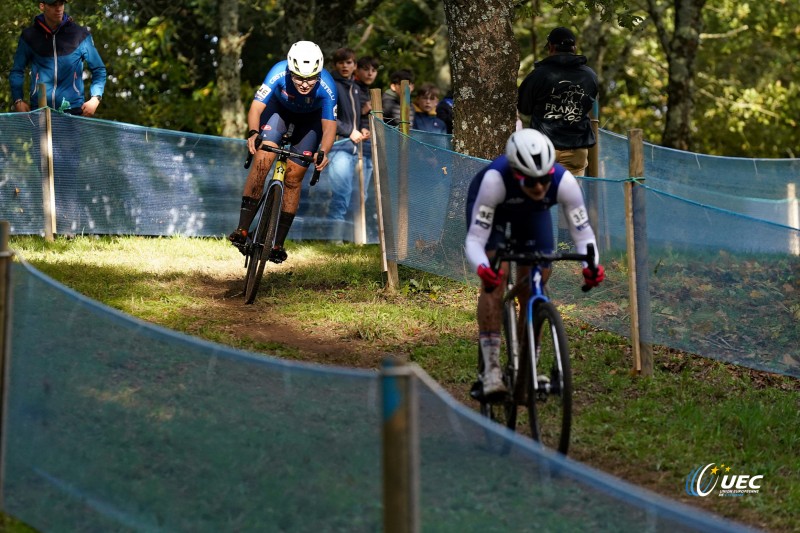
(535, 361)
(258, 247)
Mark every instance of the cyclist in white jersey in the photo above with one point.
(519, 188)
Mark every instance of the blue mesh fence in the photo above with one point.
(723, 275)
(118, 425)
(113, 178)
(724, 270)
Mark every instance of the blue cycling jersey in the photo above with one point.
(278, 85)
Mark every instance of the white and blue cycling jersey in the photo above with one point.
(496, 198)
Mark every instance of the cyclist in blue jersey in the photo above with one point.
(296, 91)
(519, 188)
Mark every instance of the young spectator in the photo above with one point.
(444, 110)
(344, 154)
(366, 72)
(391, 98)
(425, 101)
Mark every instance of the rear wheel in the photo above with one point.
(550, 389)
(262, 243)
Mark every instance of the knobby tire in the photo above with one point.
(263, 242)
(551, 413)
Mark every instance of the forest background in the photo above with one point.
(712, 77)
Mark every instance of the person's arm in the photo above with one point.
(490, 194)
(257, 107)
(328, 136)
(99, 74)
(570, 198)
(16, 77)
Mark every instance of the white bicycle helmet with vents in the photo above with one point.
(305, 59)
(530, 152)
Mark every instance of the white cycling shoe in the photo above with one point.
(492, 381)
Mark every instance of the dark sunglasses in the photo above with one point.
(541, 180)
(530, 181)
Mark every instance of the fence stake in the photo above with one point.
(359, 213)
(388, 268)
(5, 345)
(794, 218)
(400, 448)
(401, 234)
(48, 174)
(638, 274)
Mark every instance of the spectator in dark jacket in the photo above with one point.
(366, 72)
(558, 96)
(391, 98)
(444, 110)
(344, 155)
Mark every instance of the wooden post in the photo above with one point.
(5, 345)
(48, 174)
(593, 170)
(401, 234)
(793, 218)
(388, 268)
(359, 213)
(400, 449)
(638, 273)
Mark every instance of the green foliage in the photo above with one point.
(161, 57)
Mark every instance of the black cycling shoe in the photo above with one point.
(278, 255)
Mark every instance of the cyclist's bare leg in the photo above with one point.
(291, 200)
(253, 187)
(262, 162)
(490, 313)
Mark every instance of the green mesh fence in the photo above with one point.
(118, 425)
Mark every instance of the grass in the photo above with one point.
(650, 431)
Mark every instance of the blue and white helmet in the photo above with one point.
(305, 59)
(530, 152)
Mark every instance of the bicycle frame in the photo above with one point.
(537, 295)
(257, 248)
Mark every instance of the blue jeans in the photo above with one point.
(341, 176)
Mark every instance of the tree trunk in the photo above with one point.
(681, 51)
(232, 116)
(484, 61)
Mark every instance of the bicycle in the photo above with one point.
(539, 378)
(256, 250)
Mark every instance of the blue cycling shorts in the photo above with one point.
(307, 128)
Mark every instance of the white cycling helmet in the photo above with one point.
(305, 59)
(530, 152)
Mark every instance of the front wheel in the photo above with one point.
(550, 386)
(262, 243)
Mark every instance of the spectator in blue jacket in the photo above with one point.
(425, 101)
(60, 72)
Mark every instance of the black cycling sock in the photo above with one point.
(284, 223)
(248, 212)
